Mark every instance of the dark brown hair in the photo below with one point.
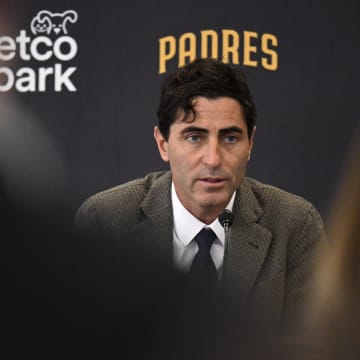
(203, 77)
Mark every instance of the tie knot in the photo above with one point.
(204, 239)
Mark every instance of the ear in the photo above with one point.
(251, 142)
(162, 144)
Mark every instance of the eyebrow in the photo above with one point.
(190, 129)
(231, 129)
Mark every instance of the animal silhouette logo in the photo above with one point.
(46, 22)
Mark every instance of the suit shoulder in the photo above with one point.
(288, 214)
(272, 197)
(132, 191)
(120, 203)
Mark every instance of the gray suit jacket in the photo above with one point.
(274, 238)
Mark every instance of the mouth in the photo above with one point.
(212, 180)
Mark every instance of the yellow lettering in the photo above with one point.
(205, 35)
(249, 49)
(271, 63)
(187, 48)
(230, 47)
(167, 50)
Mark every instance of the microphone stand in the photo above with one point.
(226, 252)
(226, 218)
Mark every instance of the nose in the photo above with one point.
(212, 154)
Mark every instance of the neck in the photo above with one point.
(207, 215)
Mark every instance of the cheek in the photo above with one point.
(182, 161)
(178, 165)
(238, 165)
(185, 170)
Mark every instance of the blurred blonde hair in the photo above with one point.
(334, 310)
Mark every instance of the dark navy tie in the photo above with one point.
(203, 266)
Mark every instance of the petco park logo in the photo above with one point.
(50, 45)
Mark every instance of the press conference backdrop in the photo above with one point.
(94, 99)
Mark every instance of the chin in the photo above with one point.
(213, 201)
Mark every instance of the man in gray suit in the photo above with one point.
(206, 132)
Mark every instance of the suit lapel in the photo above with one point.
(157, 223)
(249, 242)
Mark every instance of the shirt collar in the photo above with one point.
(187, 226)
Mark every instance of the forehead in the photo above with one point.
(218, 112)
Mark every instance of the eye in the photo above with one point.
(230, 139)
(193, 138)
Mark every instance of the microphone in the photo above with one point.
(226, 218)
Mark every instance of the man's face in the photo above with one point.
(208, 156)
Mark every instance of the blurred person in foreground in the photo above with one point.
(330, 329)
(33, 168)
(206, 128)
(335, 308)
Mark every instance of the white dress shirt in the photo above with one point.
(186, 227)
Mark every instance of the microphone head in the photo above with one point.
(226, 218)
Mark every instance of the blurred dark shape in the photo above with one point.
(331, 328)
(337, 304)
(33, 169)
(34, 172)
(70, 297)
